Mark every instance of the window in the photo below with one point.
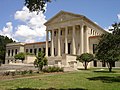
(8, 52)
(12, 52)
(54, 33)
(15, 51)
(26, 50)
(91, 31)
(94, 48)
(30, 50)
(68, 31)
(61, 32)
(49, 53)
(35, 51)
(95, 63)
(39, 49)
(43, 50)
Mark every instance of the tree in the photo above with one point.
(108, 49)
(3, 41)
(36, 5)
(20, 56)
(40, 61)
(85, 58)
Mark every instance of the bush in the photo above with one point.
(6, 73)
(23, 72)
(52, 69)
(30, 71)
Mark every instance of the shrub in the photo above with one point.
(30, 71)
(52, 69)
(24, 72)
(6, 73)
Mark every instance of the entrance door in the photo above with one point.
(69, 45)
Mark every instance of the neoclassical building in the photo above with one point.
(68, 35)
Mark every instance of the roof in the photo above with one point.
(76, 15)
(15, 44)
(36, 43)
(61, 12)
(94, 36)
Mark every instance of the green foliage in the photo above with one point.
(20, 56)
(116, 29)
(108, 49)
(3, 41)
(52, 69)
(85, 58)
(36, 5)
(40, 61)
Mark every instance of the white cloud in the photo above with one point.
(8, 31)
(118, 16)
(32, 30)
(34, 27)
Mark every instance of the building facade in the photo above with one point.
(67, 35)
(31, 49)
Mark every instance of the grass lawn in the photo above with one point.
(93, 79)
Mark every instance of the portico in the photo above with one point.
(69, 34)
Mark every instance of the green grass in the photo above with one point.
(93, 79)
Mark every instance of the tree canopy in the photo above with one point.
(3, 41)
(40, 61)
(36, 5)
(108, 49)
(20, 56)
(85, 58)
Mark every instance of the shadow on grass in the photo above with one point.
(49, 89)
(106, 79)
(105, 71)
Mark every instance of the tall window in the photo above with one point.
(8, 52)
(30, 50)
(61, 32)
(35, 51)
(91, 31)
(94, 48)
(26, 50)
(54, 33)
(12, 52)
(39, 49)
(15, 51)
(43, 50)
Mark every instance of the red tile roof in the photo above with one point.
(94, 36)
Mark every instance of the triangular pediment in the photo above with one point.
(63, 16)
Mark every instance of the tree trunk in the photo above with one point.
(110, 68)
(85, 65)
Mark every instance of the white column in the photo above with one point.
(59, 48)
(52, 43)
(66, 41)
(87, 40)
(73, 40)
(46, 43)
(81, 40)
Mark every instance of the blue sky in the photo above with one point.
(12, 23)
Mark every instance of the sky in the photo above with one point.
(18, 23)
